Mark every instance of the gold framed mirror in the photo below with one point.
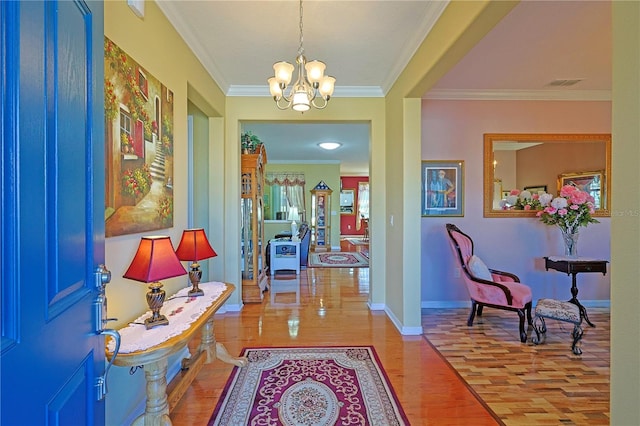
(539, 160)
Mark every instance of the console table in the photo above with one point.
(573, 266)
(151, 348)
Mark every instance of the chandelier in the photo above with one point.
(310, 86)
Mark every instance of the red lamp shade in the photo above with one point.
(194, 246)
(155, 260)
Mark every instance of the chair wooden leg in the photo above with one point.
(527, 308)
(472, 314)
(523, 334)
(479, 310)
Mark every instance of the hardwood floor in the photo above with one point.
(333, 311)
(508, 382)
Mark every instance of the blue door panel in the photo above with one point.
(52, 238)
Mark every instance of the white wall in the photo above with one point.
(453, 130)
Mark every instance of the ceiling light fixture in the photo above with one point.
(310, 85)
(329, 145)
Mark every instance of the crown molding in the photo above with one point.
(339, 92)
(519, 95)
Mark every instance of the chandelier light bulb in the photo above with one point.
(274, 88)
(326, 86)
(311, 88)
(315, 71)
(283, 72)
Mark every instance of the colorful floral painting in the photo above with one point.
(139, 147)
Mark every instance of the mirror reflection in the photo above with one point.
(544, 162)
(346, 201)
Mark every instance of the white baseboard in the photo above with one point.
(452, 304)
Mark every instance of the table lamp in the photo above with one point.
(194, 246)
(155, 260)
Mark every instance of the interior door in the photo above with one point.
(52, 234)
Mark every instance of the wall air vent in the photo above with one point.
(565, 82)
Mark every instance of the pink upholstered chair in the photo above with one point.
(489, 287)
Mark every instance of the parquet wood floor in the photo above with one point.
(525, 384)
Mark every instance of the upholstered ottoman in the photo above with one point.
(561, 311)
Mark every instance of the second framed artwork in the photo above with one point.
(443, 188)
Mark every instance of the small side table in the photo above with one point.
(573, 266)
(284, 255)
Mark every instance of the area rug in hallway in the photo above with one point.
(358, 241)
(309, 386)
(338, 259)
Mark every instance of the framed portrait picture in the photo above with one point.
(536, 188)
(443, 188)
(590, 182)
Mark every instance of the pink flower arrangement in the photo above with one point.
(570, 210)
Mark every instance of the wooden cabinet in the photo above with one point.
(254, 280)
(321, 217)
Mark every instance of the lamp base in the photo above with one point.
(195, 292)
(154, 322)
(195, 275)
(155, 300)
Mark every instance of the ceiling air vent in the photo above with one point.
(565, 82)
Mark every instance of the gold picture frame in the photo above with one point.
(592, 183)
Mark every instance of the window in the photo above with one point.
(142, 83)
(363, 203)
(285, 196)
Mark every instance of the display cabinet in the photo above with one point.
(254, 279)
(321, 217)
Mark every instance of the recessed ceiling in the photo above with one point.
(366, 44)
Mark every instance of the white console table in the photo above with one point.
(284, 255)
(151, 348)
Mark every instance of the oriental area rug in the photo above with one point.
(309, 386)
(338, 259)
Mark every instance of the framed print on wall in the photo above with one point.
(590, 182)
(443, 188)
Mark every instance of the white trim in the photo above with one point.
(339, 92)
(376, 306)
(190, 171)
(454, 304)
(519, 95)
(304, 161)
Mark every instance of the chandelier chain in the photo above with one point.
(311, 87)
(300, 48)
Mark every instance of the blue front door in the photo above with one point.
(51, 212)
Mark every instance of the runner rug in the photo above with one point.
(338, 259)
(309, 386)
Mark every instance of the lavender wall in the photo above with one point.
(453, 130)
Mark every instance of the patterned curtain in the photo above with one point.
(293, 185)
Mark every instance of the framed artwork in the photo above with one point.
(443, 188)
(535, 189)
(139, 146)
(590, 182)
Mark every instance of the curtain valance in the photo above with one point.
(284, 178)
